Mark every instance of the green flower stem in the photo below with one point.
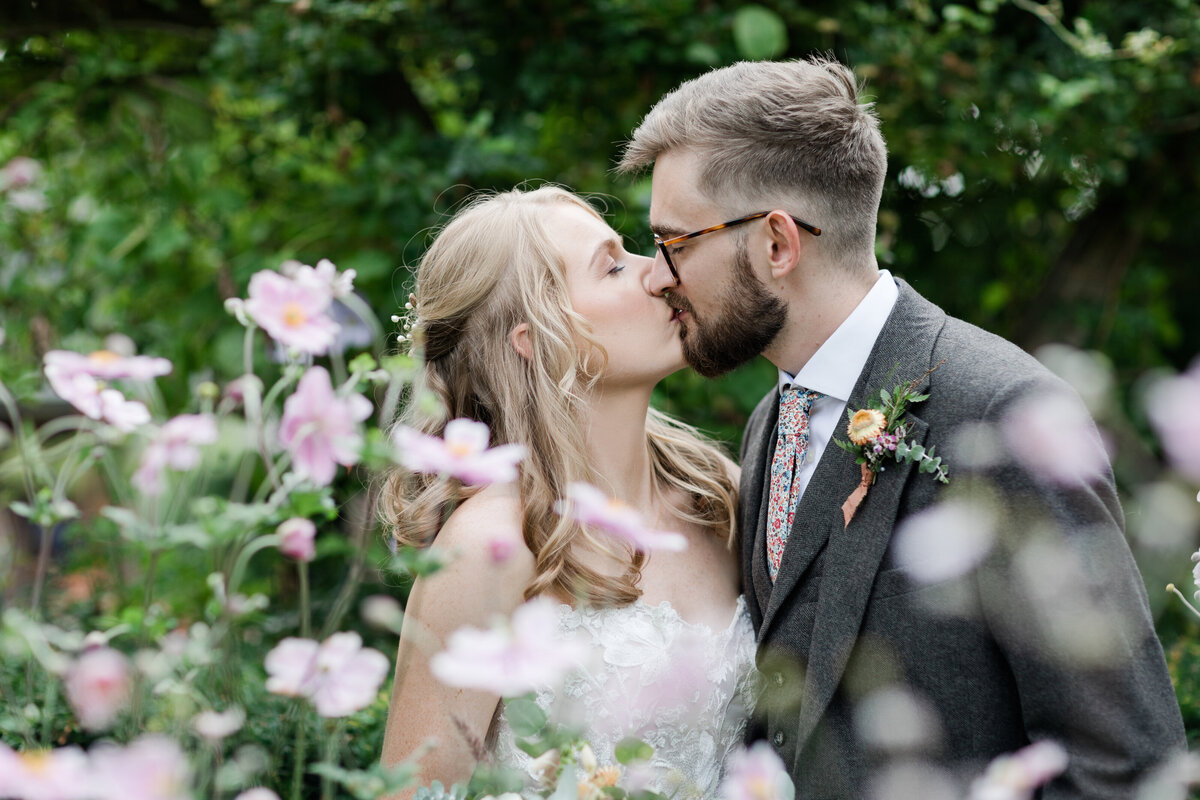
(365, 313)
(18, 432)
(248, 350)
(48, 708)
(332, 749)
(305, 604)
(243, 559)
(301, 746)
(39, 573)
(337, 360)
(1179, 594)
(148, 592)
(350, 587)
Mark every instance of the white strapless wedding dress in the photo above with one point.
(683, 688)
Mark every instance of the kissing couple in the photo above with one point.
(885, 621)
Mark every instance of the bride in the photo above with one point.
(535, 320)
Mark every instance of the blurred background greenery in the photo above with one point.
(1044, 163)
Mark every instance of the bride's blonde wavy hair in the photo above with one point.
(491, 268)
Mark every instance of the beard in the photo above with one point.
(750, 319)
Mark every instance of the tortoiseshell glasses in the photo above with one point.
(664, 245)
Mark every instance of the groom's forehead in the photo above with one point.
(676, 203)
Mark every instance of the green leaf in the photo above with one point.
(525, 716)
(630, 750)
(759, 33)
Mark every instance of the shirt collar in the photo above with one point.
(834, 368)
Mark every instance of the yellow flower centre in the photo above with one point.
(36, 761)
(460, 449)
(760, 787)
(865, 425)
(103, 356)
(294, 316)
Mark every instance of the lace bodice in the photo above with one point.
(683, 688)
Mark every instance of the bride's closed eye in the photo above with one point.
(616, 268)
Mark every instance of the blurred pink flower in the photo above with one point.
(462, 453)
(216, 725)
(320, 429)
(382, 611)
(293, 313)
(339, 675)
(123, 414)
(1052, 434)
(59, 774)
(324, 277)
(98, 687)
(502, 544)
(152, 767)
(79, 380)
(257, 793)
(175, 446)
(510, 660)
(1172, 406)
(107, 365)
(944, 541)
(19, 173)
(1016, 776)
(297, 538)
(756, 774)
(588, 506)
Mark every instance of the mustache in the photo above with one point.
(678, 303)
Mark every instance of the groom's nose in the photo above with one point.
(659, 278)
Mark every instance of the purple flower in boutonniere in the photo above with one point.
(878, 433)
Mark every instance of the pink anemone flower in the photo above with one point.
(339, 676)
(58, 774)
(320, 429)
(152, 767)
(98, 687)
(462, 453)
(510, 659)
(176, 445)
(297, 538)
(590, 507)
(756, 774)
(293, 313)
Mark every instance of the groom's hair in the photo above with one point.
(791, 133)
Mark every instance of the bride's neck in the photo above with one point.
(616, 438)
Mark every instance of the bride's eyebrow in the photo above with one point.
(607, 246)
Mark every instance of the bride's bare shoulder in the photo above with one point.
(485, 530)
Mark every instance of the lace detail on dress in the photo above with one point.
(683, 688)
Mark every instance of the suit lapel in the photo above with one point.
(901, 353)
(757, 459)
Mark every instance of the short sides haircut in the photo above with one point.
(790, 132)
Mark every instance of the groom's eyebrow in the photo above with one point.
(666, 231)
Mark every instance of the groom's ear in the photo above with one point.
(518, 337)
(785, 243)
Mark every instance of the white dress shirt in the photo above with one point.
(834, 369)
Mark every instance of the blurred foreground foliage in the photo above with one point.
(1045, 161)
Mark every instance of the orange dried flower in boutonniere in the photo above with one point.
(877, 433)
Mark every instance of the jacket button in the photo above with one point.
(777, 678)
(779, 738)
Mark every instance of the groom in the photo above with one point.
(906, 640)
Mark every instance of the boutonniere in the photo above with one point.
(877, 433)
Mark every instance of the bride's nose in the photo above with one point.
(645, 268)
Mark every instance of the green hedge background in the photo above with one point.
(1043, 176)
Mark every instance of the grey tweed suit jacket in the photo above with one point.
(998, 657)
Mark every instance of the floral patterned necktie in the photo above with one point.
(795, 403)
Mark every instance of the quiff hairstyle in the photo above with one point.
(491, 268)
(787, 132)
